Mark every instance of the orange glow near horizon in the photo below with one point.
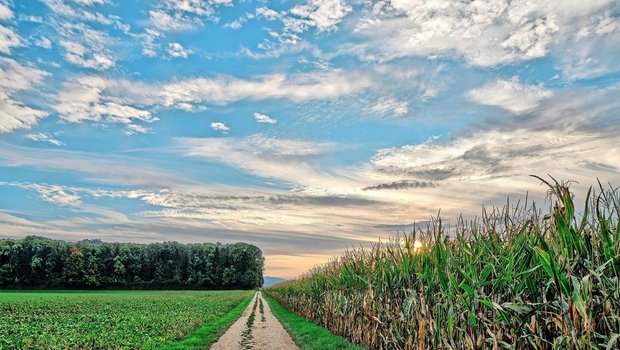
(291, 266)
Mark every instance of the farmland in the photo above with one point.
(515, 278)
(108, 319)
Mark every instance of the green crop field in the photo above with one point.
(108, 319)
(515, 279)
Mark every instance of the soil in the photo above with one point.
(256, 329)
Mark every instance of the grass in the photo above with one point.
(307, 335)
(516, 278)
(246, 335)
(110, 319)
(210, 333)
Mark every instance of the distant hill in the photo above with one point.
(270, 281)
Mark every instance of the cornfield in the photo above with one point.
(515, 278)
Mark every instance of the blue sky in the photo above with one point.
(300, 126)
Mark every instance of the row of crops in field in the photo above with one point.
(516, 278)
(108, 320)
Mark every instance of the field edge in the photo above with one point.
(307, 335)
(208, 334)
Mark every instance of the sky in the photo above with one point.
(303, 127)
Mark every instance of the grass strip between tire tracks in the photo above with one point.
(205, 336)
(307, 335)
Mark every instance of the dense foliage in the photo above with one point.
(37, 262)
(109, 319)
(515, 279)
(307, 335)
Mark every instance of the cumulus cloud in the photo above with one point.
(323, 15)
(218, 126)
(15, 78)
(262, 118)
(177, 50)
(485, 33)
(132, 129)
(510, 95)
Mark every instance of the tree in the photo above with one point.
(38, 262)
(74, 267)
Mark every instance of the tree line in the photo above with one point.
(39, 262)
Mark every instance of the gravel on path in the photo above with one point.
(256, 329)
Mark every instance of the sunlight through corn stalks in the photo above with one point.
(513, 279)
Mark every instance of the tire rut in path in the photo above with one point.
(256, 329)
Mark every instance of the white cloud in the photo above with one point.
(593, 51)
(269, 157)
(167, 22)
(87, 99)
(320, 15)
(14, 115)
(485, 33)
(295, 87)
(510, 95)
(177, 50)
(44, 43)
(54, 194)
(5, 12)
(389, 107)
(492, 154)
(14, 78)
(236, 24)
(132, 129)
(8, 39)
(92, 98)
(149, 45)
(262, 118)
(87, 47)
(267, 13)
(184, 15)
(59, 7)
(44, 137)
(90, 2)
(77, 54)
(323, 15)
(198, 7)
(219, 126)
(574, 130)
